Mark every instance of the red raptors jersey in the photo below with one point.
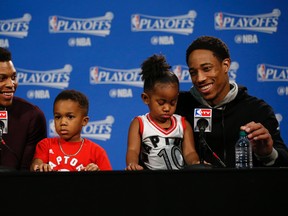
(64, 156)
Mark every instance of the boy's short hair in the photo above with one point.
(74, 95)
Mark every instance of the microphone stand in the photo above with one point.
(202, 124)
(202, 150)
(214, 154)
(202, 146)
(2, 143)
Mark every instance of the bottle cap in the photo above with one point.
(242, 133)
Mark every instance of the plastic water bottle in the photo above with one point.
(243, 152)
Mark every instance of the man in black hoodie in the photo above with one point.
(233, 109)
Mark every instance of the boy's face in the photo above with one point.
(69, 120)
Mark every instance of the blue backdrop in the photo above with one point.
(97, 47)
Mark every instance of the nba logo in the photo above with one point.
(94, 75)
(202, 112)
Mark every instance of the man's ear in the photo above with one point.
(226, 64)
(145, 98)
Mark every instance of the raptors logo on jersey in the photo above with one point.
(161, 148)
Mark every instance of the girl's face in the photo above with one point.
(69, 120)
(162, 101)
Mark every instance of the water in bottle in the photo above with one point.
(243, 152)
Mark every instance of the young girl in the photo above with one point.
(160, 139)
(69, 151)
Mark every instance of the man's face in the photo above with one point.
(209, 75)
(8, 83)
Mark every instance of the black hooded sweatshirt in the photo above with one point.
(226, 124)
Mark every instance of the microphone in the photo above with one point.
(202, 120)
(2, 126)
(3, 122)
(4, 130)
(203, 123)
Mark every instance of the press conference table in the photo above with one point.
(215, 191)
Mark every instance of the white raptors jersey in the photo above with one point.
(161, 148)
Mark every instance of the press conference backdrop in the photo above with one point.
(97, 47)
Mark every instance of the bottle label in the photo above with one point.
(243, 153)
